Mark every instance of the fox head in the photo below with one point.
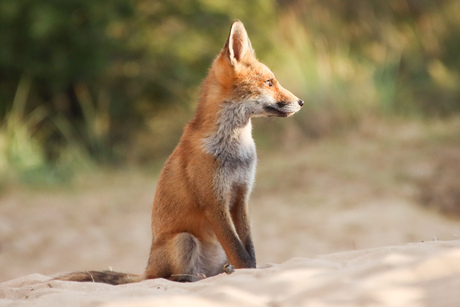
(247, 81)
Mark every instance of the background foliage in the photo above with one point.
(85, 81)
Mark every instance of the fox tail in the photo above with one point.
(108, 277)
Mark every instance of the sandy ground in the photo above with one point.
(422, 274)
(346, 194)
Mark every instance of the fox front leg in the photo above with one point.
(240, 217)
(222, 225)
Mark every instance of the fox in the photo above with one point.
(200, 216)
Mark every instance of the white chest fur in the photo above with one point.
(233, 147)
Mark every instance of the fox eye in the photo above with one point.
(269, 82)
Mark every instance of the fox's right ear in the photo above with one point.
(236, 49)
(238, 45)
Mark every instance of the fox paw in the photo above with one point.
(228, 268)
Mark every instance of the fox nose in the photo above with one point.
(300, 102)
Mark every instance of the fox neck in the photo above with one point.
(233, 149)
(231, 138)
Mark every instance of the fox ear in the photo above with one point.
(238, 44)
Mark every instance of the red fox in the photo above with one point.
(200, 221)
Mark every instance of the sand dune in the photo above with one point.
(418, 274)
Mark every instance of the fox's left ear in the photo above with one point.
(238, 44)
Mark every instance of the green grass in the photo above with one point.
(23, 141)
(20, 146)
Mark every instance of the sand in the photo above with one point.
(417, 274)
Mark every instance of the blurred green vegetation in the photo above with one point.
(115, 82)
